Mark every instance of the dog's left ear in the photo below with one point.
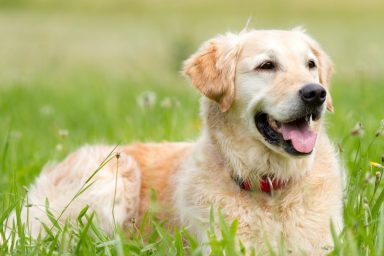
(325, 68)
(212, 69)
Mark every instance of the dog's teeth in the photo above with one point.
(274, 123)
(308, 119)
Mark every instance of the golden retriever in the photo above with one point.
(263, 156)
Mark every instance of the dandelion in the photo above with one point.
(166, 103)
(63, 133)
(146, 99)
(358, 130)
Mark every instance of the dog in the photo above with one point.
(263, 156)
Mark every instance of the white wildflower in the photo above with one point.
(146, 99)
(63, 133)
(358, 130)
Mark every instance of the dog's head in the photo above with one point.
(276, 82)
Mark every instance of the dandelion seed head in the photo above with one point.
(63, 133)
(146, 99)
(358, 129)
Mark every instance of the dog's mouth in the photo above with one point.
(294, 136)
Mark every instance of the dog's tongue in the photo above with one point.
(303, 139)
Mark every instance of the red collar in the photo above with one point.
(266, 184)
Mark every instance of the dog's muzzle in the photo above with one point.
(295, 135)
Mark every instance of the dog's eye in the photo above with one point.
(311, 64)
(268, 65)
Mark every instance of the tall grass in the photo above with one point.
(40, 126)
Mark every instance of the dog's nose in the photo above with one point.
(313, 94)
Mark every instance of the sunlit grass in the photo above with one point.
(44, 124)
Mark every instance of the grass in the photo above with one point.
(73, 74)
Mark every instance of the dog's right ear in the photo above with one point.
(212, 69)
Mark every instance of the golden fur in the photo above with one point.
(190, 178)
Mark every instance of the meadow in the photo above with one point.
(76, 72)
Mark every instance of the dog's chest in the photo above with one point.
(291, 218)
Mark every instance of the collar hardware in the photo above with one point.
(267, 184)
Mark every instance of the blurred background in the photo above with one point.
(121, 39)
(92, 71)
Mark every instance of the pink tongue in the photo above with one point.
(303, 140)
